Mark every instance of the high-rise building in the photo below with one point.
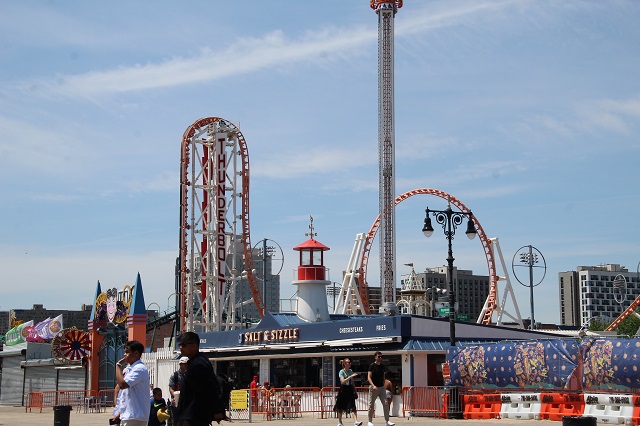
(270, 287)
(471, 290)
(596, 292)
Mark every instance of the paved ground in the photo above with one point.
(16, 416)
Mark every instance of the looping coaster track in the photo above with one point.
(486, 244)
(214, 193)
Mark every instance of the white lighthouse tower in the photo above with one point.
(312, 280)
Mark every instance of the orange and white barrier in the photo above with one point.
(557, 405)
(521, 406)
(616, 409)
(635, 418)
(480, 407)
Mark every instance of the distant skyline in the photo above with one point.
(527, 111)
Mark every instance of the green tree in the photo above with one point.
(597, 324)
(629, 326)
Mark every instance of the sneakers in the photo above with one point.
(369, 424)
(357, 423)
(391, 424)
(340, 424)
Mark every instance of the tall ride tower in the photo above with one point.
(386, 11)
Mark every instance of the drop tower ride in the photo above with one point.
(386, 11)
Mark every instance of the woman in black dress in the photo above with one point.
(347, 396)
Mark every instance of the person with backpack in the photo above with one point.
(176, 382)
(201, 401)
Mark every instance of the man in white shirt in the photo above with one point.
(133, 382)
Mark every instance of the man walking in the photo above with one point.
(199, 403)
(133, 382)
(375, 376)
(176, 383)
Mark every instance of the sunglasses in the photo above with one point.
(182, 345)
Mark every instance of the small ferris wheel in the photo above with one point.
(70, 344)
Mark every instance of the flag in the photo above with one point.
(15, 335)
(38, 333)
(31, 335)
(55, 325)
(409, 264)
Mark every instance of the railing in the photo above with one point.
(85, 400)
(74, 398)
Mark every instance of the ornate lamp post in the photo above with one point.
(450, 221)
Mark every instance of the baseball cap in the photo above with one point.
(184, 360)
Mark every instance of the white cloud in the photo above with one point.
(308, 161)
(273, 51)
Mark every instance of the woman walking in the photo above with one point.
(347, 396)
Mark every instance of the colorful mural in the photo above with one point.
(611, 364)
(534, 364)
(602, 364)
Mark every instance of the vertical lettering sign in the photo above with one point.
(221, 212)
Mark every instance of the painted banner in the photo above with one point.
(44, 330)
(601, 364)
(34, 334)
(611, 364)
(16, 334)
(526, 364)
(55, 326)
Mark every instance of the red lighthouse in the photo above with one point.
(312, 279)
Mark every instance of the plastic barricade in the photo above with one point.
(34, 400)
(480, 407)
(421, 401)
(606, 408)
(557, 405)
(635, 418)
(521, 406)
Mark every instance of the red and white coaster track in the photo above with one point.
(215, 254)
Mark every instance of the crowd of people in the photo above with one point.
(195, 400)
(194, 389)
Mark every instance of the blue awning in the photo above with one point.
(436, 345)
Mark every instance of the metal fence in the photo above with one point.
(277, 403)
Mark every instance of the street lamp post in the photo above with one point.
(450, 221)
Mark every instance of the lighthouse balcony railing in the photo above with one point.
(316, 273)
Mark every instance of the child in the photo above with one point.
(157, 404)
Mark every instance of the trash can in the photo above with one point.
(61, 415)
(578, 421)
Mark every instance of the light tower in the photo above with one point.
(386, 10)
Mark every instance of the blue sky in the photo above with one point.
(526, 111)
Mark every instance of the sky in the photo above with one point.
(526, 111)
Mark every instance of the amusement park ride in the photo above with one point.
(215, 251)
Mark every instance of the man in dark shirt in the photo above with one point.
(199, 403)
(375, 376)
